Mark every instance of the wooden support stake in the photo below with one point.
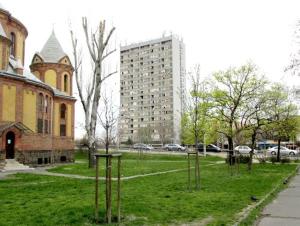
(119, 190)
(96, 193)
(189, 173)
(198, 167)
(197, 171)
(109, 191)
(106, 187)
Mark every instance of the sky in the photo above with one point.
(217, 34)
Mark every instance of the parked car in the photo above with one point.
(243, 149)
(283, 151)
(174, 147)
(142, 146)
(209, 148)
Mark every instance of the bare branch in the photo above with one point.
(108, 75)
(85, 29)
(109, 53)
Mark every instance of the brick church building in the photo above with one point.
(36, 106)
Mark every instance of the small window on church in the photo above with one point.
(62, 111)
(46, 104)
(65, 83)
(40, 125)
(46, 126)
(13, 44)
(62, 130)
(40, 102)
(40, 107)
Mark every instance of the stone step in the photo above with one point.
(13, 165)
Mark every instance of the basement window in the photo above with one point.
(63, 158)
(40, 161)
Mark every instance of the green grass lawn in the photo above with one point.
(28, 199)
(132, 164)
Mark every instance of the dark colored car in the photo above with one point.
(209, 148)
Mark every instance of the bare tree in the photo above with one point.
(293, 66)
(162, 129)
(108, 119)
(194, 103)
(194, 115)
(98, 47)
(145, 134)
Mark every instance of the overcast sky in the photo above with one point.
(217, 33)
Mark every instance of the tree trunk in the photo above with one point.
(92, 159)
(204, 146)
(278, 151)
(253, 138)
(230, 143)
(106, 142)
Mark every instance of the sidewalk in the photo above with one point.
(285, 209)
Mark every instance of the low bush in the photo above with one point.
(273, 159)
(262, 160)
(244, 159)
(285, 160)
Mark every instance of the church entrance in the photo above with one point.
(10, 145)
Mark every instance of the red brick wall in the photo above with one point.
(35, 142)
(31, 142)
(60, 143)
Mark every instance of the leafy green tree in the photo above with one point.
(256, 120)
(232, 90)
(284, 122)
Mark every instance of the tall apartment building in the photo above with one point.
(153, 91)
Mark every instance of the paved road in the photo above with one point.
(285, 209)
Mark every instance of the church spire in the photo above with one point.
(52, 51)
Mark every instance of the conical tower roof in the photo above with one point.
(52, 51)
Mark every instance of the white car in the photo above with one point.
(174, 147)
(142, 147)
(283, 151)
(244, 149)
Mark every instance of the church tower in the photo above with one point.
(52, 66)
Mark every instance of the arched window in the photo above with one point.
(63, 110)
(46, 104)
(40, 103)
(66, 83)
(46, 115)
(13, 44)
(49, 115)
